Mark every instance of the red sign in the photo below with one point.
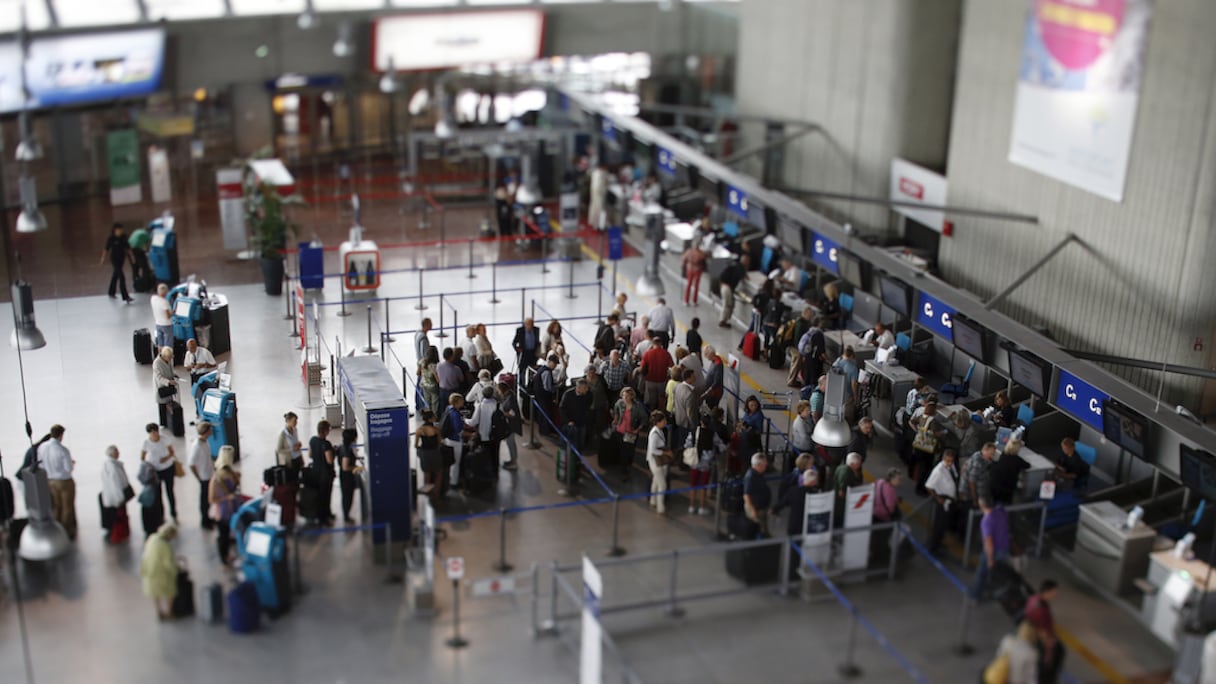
(911, 188)
(301, 319)
(861, 501)
(229, 191)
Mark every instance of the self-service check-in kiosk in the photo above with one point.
(219, 409)
(262, 548)
(163, 251)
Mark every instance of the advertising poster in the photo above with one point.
(1078, 87)
(858, 512)
(122, 154)
(817, 528)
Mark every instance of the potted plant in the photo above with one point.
(270, 228)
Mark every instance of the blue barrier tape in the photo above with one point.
(523, 509)
(882, 640)
(570, 447)
(958, 584)
(482, 264)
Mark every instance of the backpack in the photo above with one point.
(499, 429)
(538, 382)
(605, 339)
(447, 426)
(785, 334)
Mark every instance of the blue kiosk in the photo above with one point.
(162, 253)
(263, 552)
(374, 405)
(215, 402)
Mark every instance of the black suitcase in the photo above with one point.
(732, 496)
(310, 503)
(480, 468)
(152, 517)
(7, 502)
(275, 476)
(609, 453)
(142, 343)
(742, 528)
(756, 565)
(1009, 589)
(107, 514)
(183, 603)
(179, 420)
(776, 356)
(179, 352)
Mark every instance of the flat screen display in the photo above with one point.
(257, 543)
(757, 214)
(211, 404)
(850, 269)
(1030, 372)
(1198, 471)
(1124, 427)
(895, 294)
(182, 309)
(790, 234)
(709, 188)
(969, 337)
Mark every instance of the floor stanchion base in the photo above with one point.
(849, 671)
(616, 552)
(502, 567)
(456, 642)
(964, 650)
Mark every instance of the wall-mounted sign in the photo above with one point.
(912, 183)
(1082, 61)
(936, 316)
(667, 161)
(826, 253)
(76, 69)
(417, 42)
(736, 201)
(607, 130)
(1080, 399)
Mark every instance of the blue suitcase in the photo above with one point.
(244, 610)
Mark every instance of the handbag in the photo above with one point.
(128, 493)
(179, 470)
(629, 437)
(148, 496)
(691, 456)
(166, 391)
(997, 672)
(925, 441)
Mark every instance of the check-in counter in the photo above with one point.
(1109, 553)
(899, 380)
(1161, 609)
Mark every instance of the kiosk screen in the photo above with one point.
(257, 543)
(211, 405)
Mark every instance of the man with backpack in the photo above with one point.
(812, 352)
(452, 430)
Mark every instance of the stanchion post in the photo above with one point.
(544, 252)
(896, 541)
(849, 669)
(1038, 544)
(599, 302)
(388, 327)
(673, 609)
(501, 565)
(442, 332)
(471, 273)
(456, 641)
(570, 294)
(287, 300)
(523, 303)
(616, 549)
(295, 332)
(369, 349)
(533, 310)
(963, 648)
(382, 336)
(532, 443)
(494, 283)
(535, 600)
(549, 627)
(784, 589)
(421, 303)
(342, 296)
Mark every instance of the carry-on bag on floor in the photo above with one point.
(285, 496)
(183, 603)
(756, 565)
(480, 467)
(179, 420)
(610, 452)
(152, 516)
(143, 346)
(310, 503)
(1009, 589)
(211, 603)
(7, 502)
(742, 528)
(120, 530)
(751, 345)
(776, 357)
(244, 611)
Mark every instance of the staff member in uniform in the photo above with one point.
(116, 249)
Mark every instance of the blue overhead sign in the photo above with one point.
(936, 315)
(1080, 399)
(667, 161)
(736, 201)
(825, 253)
(607, 129)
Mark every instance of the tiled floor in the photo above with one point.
(86, 615)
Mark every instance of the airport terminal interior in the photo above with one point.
(798, 341)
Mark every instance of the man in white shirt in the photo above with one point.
(56, 460)
(915, 396)
(881, 337)
(199, 361)
(789, 277)
(476, 394)
(943, 484)
(662, 319)
(162, 317)
(470, 346)
(160, 454)
(203, 468)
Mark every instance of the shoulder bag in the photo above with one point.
(691, 455)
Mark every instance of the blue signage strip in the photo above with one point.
(616, 243)
(1080, 399)
(937, 316)
(607, 129)
(736, 201)
(824, 252)
(667, 161)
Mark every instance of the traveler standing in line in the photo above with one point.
(715, 376)
(628, 422)
(995, 529)
(615, 373)
(803, 428)
(116, 249)
(450, 377)
(526, 344)
(165, 383)
(1050, 654)
(551, 338)
(812, 351)
(289, 451)
(686, 405)
(693, 262)
(692, 339)
(943, 486)
(575, 410)
(655, 367)
(801, 326)
(321, 451)
(470, 347)
(57, 461)
(162, 317)
(709, 446)
(348, 479)
(485, 350)
(421, 342)
(510, 409)
(662, 320)
(886, 496)
(160, 454)
(158, 570)
(428, 379)
(846, 478)
(203, 467)
(795, 500)
(225, 497)
(114, 494)
(728, 282)
(657, 452)
(863, 437)
(1023, 660)
(430, 461)
(757, 497)
(198, 360)
(453, 429)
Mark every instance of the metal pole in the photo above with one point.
(532, 443)
(849, 669)
(442, 332)
(523, 297)
(544, 253)
(614, 263)
(456, 324)
(388, 328)
(963, 648)
(421, 304)
(535, 600)
(673, 609)
(718, 507)
(494, 283)
(785, 569)
(571, 294)
(342, 295)
(599, 301)
(286, 300)
(381, 346)
(502, 565)
(967, 540)
(295, 547)
(616, 550)
(1038, 545)
(295, 332)
(549, 628)
(533, 309)
(471, 273)
(369, 349)
(456, 641)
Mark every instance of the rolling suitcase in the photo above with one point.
(244, 611)
(751, 345)
(211, 603)
(310, 503)
(756, 565)
(776, 357)
(481, 468)
(742, 528)
(120, 531)
(610, 452)
(285, 496)
(183, 603)
(179, 420)
(1009, 589)
(7, 502)
(143, 346)
(152, 516)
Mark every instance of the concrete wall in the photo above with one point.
(1141, 284)
(876, 74)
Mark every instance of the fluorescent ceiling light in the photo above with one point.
(184, 9)
(244, 7)
(37, 17)
(72, 13)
